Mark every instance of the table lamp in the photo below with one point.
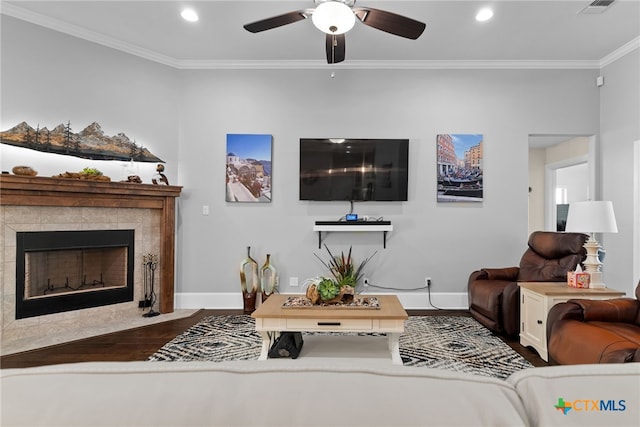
(592, 217)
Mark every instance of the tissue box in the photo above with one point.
(578, 280)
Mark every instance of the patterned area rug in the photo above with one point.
(446, 342)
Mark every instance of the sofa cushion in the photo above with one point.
(280, 392)
(613, 387)
(335, 392)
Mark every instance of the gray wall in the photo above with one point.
(443, 241)
(619, 128)
(184, 116)
(50, 78)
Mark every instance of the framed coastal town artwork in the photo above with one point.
(248, 168)
(460, 167)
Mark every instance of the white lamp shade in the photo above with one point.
(593, 216)
(333, 17)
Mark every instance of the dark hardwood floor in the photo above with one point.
(140, 343)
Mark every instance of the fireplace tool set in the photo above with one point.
(149, 264)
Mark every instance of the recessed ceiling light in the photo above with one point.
(484, 14)
(189, 15)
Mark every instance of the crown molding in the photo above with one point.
(387, 65)
(620, 52)
(101, 39)
(85, 34)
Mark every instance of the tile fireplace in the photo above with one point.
(89, 296)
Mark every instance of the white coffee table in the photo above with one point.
(272, 318)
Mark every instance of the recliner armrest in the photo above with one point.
(623, 310)
(508, 273)
(563, 311)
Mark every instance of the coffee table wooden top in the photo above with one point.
(390, 308)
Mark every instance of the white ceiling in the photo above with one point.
(522, 34)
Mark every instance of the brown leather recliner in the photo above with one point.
(583, 331)
(494, 292)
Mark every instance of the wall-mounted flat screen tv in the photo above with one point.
(354, 169)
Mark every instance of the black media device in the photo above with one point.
(354, 169)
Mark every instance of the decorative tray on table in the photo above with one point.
(356, 303)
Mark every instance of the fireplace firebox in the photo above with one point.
(58, 271)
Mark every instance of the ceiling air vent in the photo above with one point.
(596, 6)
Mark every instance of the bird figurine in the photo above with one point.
(159, 177)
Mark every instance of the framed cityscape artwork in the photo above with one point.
(460, 167)
(248, 168)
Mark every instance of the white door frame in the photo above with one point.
(550, 215)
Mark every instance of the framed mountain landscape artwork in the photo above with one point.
(89, 143)
(460, 167)
(248, 168)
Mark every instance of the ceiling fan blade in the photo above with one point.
(335, 48)
(276, 21)
(390, 22)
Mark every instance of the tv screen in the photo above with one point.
(354, 169)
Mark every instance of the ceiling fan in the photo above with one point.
(336, 17)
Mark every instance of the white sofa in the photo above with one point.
(290, 393)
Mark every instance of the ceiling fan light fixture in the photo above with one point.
(189, 15)
(333, 17)
(484, 15)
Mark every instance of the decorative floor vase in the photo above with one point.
(249, 282)
(249, 302)
(268, 278)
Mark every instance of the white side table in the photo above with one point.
(537, 298)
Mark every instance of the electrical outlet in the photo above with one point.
(293, 281)
(366, 282)
(427, 282)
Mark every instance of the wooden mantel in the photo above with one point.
(41, 191)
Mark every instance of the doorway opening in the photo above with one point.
(561, 170)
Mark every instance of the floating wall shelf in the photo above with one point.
(353, 226)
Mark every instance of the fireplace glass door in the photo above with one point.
(60, 271)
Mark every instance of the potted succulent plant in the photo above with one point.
(341, 288)
(343, 268)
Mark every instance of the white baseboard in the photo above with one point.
(409, 300)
